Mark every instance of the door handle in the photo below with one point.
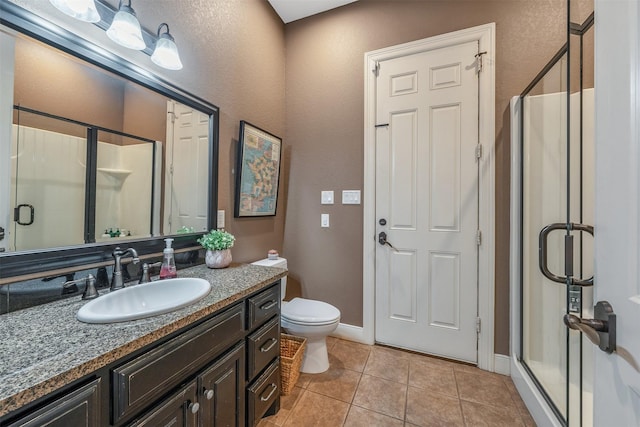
(382, 239)
(568, 253)
(601, 331)
(16, 214)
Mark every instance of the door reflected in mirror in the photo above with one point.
(96, 157)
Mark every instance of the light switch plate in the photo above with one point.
(220, 220)
(351, 197)
(324, 220)
(326, 198)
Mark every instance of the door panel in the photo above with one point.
(427, 193)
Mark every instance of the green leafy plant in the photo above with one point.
(217, 240)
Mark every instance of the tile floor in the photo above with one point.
(379, 386)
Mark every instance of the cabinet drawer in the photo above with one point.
(263, 306)
(263, 393)
(144, 379)
(180, 409)
(263, 346)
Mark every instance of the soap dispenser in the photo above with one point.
(168, 268)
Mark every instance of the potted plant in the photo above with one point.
(218, 244)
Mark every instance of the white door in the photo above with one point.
(427, 202)
(187, 145)
(617, 226)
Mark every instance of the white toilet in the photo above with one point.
(307, 318)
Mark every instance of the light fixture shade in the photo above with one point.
(84, 10)
(166, 53)
(125, 29)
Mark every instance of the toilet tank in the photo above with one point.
(280, 263)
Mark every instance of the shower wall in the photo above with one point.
(48, 172)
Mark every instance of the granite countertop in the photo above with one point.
(44, 348)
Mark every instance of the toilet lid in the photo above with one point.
(308, 311)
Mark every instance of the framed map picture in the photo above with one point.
(257, 172)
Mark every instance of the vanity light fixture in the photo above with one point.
(166, 52)
(84, 10)
(125, 28)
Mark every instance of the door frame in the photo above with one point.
(485, 35)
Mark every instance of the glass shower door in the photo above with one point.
(557, 246)
(545, 200)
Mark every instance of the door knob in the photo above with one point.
(382, 239)
(601, 330)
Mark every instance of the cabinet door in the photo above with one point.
(221, 391)
(78, 408)
(178, 410)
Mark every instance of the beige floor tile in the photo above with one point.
(349, 355)
(316, 410)
(287, 404)
(388, 365)
(522, 408)
(340, 384)
(395, 352)
(476, 414)
(360, 417)
(304, 380)
(380, 395)
(331, 341)
(482, 388)
(426, 408)
(436, 378)
(266, 423)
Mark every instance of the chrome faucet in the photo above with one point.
(116, 278)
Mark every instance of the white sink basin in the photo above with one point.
(140, 301)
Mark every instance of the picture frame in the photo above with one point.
(257, 172)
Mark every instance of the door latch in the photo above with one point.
(382, 239)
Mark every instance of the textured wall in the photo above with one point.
(324, 110)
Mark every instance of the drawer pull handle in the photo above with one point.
(265, 348)
(268, 305)
(273, 390)
(209, 394)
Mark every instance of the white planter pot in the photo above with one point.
(218, 259)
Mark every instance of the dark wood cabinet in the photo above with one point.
(179, 410)
(78, 408)
(221, 391)
(203, 375)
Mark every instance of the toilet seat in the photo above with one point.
(309, 312)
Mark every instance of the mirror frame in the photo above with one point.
(32, 262)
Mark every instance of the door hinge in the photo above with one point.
(376, 69)
(478, 324)
(478, 237)
(479, 151)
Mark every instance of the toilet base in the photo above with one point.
(316, 358)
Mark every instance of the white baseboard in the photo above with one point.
(351, 333)
(502, 364)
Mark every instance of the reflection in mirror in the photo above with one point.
(98, 158)
(125, 116)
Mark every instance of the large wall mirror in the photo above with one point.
(95, 153)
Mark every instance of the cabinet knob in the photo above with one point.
(194, 407)
(208, 394)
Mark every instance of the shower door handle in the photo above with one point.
(568, 253)
(16, 214)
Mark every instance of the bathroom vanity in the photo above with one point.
(213, 363)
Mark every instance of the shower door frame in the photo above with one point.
(532, 391)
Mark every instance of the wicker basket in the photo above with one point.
(291, 352)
